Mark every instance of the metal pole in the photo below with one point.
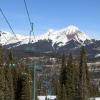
(34, 83)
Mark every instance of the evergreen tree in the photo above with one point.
(8, 84)
(15, 74)
(26, 93)
(59, 92)
(67, 79)
(24, 83)
(83, 77)
(76, 80)
(2, 83)
(70, 85)
(15, 82)
(1, 56)
(10, 57)
(63, 71)
(64, 93)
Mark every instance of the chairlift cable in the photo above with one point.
(27, 12)
(8, 23)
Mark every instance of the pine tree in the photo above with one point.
(63, 71)
(61, 89)
(26, 93)
(1, 56)
(15, 82)
(83, 77)
(15, 75)
(2, 76)
(24, 83)
(61, 92)
(10, 57)
(9, 82)
(70, 85)
(76, 80)
(64, 93)
(67, 79)
(2, 83)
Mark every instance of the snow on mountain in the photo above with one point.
(8, 38)
(57, 36)
(65, 35)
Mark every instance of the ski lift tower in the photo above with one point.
(34, 66)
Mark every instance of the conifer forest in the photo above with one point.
(65, 77)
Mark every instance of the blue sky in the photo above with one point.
(52, 14)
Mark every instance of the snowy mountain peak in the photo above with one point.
(64, 35)
(72, 29)
(50, 30)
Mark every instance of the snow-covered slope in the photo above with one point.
(61, 36)
(8, 38)
(65, 35)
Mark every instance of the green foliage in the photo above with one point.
(74, 79)
(70, 86)
(10, 56)
(61, 92)
(63, 72)
(15, 82)
(84, 83)
(1, 55)
(67, 79)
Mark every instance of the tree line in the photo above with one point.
(74, 80)
(15, 79)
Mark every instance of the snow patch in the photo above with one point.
(49, 97)
(98, 55)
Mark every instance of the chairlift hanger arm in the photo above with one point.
(30, 22)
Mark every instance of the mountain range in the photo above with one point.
(66, 40)
(57, 36)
